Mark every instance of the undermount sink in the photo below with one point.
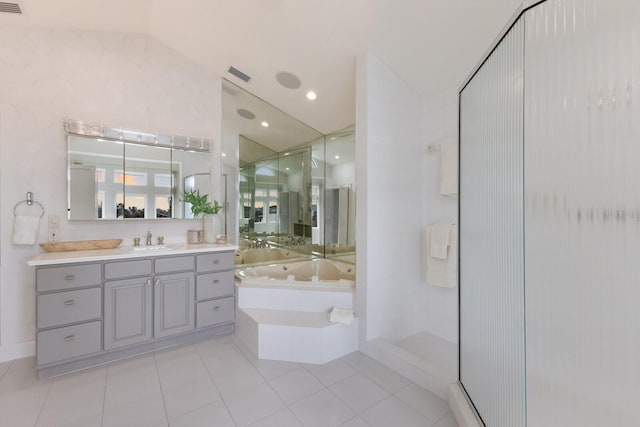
(151, 248)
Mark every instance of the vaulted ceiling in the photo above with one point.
(431, 44)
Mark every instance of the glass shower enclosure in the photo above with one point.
(550, 219)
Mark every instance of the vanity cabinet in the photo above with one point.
(127, 312)
(68, 311)
(92, 313)
(173, 304)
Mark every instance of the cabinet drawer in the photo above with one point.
(69, 307)
(125, 269)
(68, 342)
(214, 285)
(179, 263)
(210, 313)
(67, 277)
(214, 262)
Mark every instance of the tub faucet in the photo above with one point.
(149, 236)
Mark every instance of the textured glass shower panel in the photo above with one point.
(582, 163)
(492, 367)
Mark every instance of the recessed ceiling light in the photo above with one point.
(312, 96)
(337, 157)
(286, 154)
(287, 168)
(332, 138)
(224, 155)
(288, 80)
(265, 124)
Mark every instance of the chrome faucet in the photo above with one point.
(149, 236)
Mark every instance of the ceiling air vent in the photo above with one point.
(239, 74)
(10, 8)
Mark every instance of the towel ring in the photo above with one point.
(29, 201)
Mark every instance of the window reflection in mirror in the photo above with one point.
(120, 180)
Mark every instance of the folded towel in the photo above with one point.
(343, 316)
(439, 240)
(441, 272)
(25, 229)
(449, 168)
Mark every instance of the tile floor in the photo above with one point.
(218, 383)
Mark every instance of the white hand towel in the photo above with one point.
(449, 168)
(343, 316)
(439, 240)
(441, 272)
(25, 229)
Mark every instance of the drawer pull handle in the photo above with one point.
(216, 281)
(216, 308)
(70, 302)
(216, 261)
(69, 338)
(69, 277)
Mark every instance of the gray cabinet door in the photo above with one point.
(174, 303)
(127, 312)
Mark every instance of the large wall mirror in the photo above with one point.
(122, 174)
(296, 187)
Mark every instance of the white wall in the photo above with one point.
(398, 196)
(118, 79)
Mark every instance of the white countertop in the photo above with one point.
(125, 252)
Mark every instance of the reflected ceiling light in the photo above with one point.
(312, 96)
(265, 124)
(332, 138)
(286, 154)
(287, 168)
(337, 157)
(224, 155)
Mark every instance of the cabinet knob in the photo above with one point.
(216, 281)
(216, 308)
(70, 302)
(216, 261)
(69, 338)
(69, 277)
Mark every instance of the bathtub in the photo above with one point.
(265, 255)
(312, 274)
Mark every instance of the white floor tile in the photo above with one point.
(393, 412)
(274, 368)
(213, 414)
(358, 361)
(423, 401)
(148, 411)
(447, 421)
(282, 418)
(386, 378)
(355, 422)
(253, 405)
(358, 392)
(238, 381)
(22, 407)
(74, 398)
(189, 396)
(322, 409)
(130, 384)
(296, 385)
(21, 374)
(4, 367)
(332, 372)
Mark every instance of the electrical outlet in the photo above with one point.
(54, 221)
(53, 234)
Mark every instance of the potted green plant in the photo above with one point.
(201, 205)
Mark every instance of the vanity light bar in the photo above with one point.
(76, 127)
